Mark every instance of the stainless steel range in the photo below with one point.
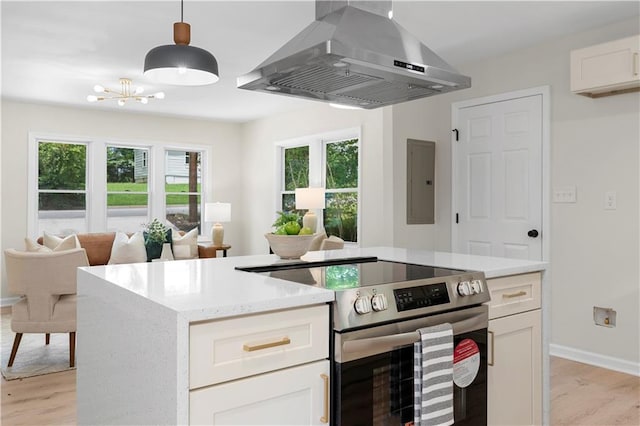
(379, 306)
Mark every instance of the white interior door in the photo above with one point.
(497, 173)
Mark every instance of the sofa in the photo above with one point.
(98, 246)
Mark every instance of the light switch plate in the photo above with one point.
(564, 194)
(610, 200)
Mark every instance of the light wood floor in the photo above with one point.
(580, 395)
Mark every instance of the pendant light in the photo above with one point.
(179, 63)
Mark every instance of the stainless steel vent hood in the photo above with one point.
(354, 54)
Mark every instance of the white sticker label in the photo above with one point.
(466, 363)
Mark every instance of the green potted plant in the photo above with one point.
(155, 235)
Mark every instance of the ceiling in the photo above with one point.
(55, 52)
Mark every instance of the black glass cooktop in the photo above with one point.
(341, 274)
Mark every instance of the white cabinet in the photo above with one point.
(268, 368)
(293, 396)
(515, 351)
(607, 68)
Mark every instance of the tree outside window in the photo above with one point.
(62, 182)
(335, 164)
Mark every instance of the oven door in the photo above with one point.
(373, 371)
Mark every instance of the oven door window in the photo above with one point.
(378, 390)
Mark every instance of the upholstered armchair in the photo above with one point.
(47, 284)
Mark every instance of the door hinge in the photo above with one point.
(457, 218)
(457, 134)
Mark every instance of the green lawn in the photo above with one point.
(114, 200)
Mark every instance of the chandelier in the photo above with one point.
(124, 94)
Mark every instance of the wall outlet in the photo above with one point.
(610, 200)
(605, 317)
(564, 194)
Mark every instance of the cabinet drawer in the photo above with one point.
(293, 396)
(514, 294)
(229, 349)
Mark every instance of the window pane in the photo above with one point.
(296, 168)
(127, 189)
(342, 164)
(61, 166)
(182, 177)
(182, 167)
(127, 212)
(183, 211)
(288, 202)
(127, 166)
(341, 215)
(62, 213)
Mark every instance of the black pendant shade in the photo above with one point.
(180, 63)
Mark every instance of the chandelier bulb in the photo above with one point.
(126, 92)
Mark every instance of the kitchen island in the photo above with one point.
(137, 325)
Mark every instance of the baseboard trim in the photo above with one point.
(594, 359)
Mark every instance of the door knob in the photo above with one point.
(533, 233)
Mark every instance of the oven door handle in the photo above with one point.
(387, 343)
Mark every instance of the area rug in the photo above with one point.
(34, 358)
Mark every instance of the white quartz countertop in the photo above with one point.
(206, 289)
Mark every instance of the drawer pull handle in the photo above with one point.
(325, 417)
(518, 294)
(284, 341)
(635, 63)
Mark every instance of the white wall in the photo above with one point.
(18, 119)
(595, 253)
(258, 156)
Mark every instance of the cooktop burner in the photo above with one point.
(350, 273)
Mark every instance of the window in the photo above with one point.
(183, 189)
(127, 187)
(62, 187)
(97, 186)
(341, 186)
(329, 161)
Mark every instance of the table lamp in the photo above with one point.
(310, 198)
(217, 212)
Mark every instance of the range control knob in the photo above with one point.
(464, 288)
(476, 286)
(379, 302)
(362, 305)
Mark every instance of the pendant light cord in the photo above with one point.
(181, 10)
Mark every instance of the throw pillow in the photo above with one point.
(317, 241)
(56, 243)
(185, 246)
(31, 245)
(128, 250)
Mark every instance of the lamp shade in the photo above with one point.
(181, 64)
(217, 212)
(309, 198)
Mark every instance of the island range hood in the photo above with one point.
(354, 54)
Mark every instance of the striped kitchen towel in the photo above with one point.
(433, 376)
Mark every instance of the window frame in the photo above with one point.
(317, 168)
(96, 177)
